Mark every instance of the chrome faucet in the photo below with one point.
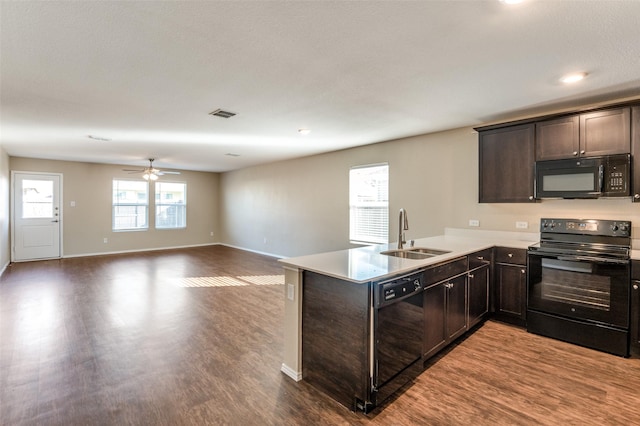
(403, 225)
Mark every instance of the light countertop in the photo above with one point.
(366, 264)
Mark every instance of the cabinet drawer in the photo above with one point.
(480, 258)
(511, 255)
(445, 270)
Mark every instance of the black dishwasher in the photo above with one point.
(398, 332)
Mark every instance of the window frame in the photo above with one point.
(158, 204)
(357, 234)
(115, 205)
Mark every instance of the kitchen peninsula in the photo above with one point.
(347, 291)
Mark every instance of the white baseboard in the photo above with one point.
(103, 253)
(295, 375)
(254, 251)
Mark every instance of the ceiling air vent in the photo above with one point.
(222, 113)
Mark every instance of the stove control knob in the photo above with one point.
(614, 227)
(624, 227)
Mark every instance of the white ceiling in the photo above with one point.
(146, 74)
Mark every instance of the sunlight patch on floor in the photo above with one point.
(190, 282)
(264, 279)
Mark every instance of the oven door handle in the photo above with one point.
(595, 259)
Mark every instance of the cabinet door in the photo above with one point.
(558, 138)
(511, 296)
(635, 319)
(507, 164)
(456, 306)
(478, 287)
(635, 152)
(435, 336)
(605, 132)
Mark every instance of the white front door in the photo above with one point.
(36, 216)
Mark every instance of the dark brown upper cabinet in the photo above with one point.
(584, 135)
(507, 164)
(635, 152)
(558, 138)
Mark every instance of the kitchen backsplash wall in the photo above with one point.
(301, 206)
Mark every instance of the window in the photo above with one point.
(369, 204)
(171, 205)
(37, 199)
(130, 205)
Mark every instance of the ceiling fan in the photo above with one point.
(151, 173)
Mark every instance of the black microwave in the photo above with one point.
(591, 177)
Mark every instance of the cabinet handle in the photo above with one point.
(510, 255)
(523, 271)
(582, 152)
(470, 275)
(575, 152)
(531, 197)
(635, 286)
(480, 257)
(636, 196)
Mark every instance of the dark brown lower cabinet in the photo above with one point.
(478, 288)
(445, 306)
(335, 337)
(511, 293)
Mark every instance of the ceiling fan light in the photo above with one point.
(145, 176)
(153, 176)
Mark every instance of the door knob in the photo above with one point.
(55, 221)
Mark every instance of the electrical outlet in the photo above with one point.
(522, 225)
(72, 203)
(106, 240)
(474, 222)
(212, 233)
(265, 240)
(290, 291)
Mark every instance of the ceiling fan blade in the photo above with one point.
(164, 172)
(133, 170)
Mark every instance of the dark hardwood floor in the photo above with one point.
(193, 337)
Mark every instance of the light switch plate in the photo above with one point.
(290, 290)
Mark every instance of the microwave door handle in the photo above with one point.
(601, 178)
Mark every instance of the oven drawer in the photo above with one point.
(511, 255)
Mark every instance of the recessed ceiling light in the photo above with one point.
(573, 77)
(304, 131)
(229, 154)
(98, 138)
(511, 1)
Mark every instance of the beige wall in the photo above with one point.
(87, 224)
(301, 206)
(5, 242)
